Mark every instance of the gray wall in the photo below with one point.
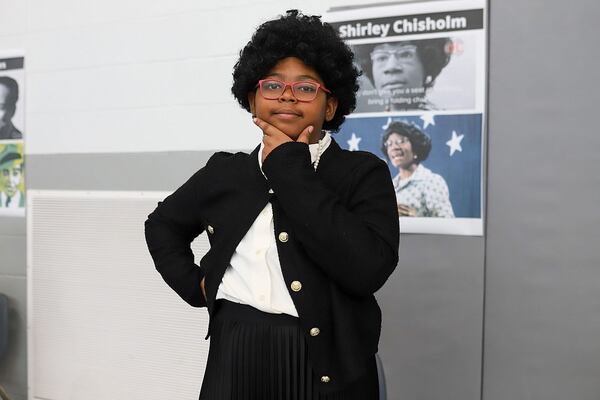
(13, 284)
(512, 316)
(542, 309)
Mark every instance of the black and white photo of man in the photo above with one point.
(9, 95)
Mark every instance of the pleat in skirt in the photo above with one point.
(255, 355)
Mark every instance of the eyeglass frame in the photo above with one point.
(291, 85)
(396, 54)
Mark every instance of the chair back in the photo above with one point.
(381, 378)
(3, 324)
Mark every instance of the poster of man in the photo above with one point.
(12, 157)
(9, 96)
(11, 89)
(12, 183)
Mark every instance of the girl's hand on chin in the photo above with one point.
(273, 137)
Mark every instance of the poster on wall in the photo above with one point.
(421, 106)
(12, 125)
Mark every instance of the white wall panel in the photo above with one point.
(184, 82)
(45, 15)
(197, 127)
(95, 12)
(102, 323)
(13, 17)
(172, 37)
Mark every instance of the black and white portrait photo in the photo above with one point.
(11, 99)
(424, 74)
(9, 96)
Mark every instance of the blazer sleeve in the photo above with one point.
(169, 231)
(355, 242)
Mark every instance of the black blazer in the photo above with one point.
(337, 235)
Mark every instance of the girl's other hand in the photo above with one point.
(202, 287)
(273, 137)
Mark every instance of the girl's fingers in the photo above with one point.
(270, 131)
(305, 135)
(267, 128)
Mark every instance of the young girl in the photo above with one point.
(302, 232)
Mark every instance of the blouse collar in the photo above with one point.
(313, 148)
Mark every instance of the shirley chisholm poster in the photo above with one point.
(421, 106)
(12, 183)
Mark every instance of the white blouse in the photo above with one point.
(254, 274)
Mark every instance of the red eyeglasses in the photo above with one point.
(272, 89)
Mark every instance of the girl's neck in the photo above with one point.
(315, 137)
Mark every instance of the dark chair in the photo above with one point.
(381, 378)
(3, 325)
(3, 335)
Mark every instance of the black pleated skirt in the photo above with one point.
(256, 355)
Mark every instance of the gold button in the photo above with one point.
(296, 286)
(210, 229)
(325, 379)
(315, 331)
(283, 237)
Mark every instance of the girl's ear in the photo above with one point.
(251, 97)
(330, 108)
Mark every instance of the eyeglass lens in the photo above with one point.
(303, 91)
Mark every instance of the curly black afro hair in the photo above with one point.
(433, 53)
(419, 140)
(312, 41)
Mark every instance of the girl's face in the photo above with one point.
(288, 114)
(399, 151)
